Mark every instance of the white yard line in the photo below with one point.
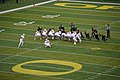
(65, 45)
(40, 76)
(50, 21)
(70, 53)
(111, 21)
(18, 54)
(47, 25)
(92, 2)
(54, 21)
(50, 67)
(2, 12)
(104, 72)
(113, 68)
(53, 58)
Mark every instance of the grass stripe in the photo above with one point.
(61, 69)
(55, 45)
(39, 77)
(28, 56)
(81, 11)
(67, 14)
(58, 20)
(82, 55)
(9, 24)
(52, 58)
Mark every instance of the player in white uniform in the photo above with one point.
(73, 35)
(51, 33)
(37, 34)
(74, 39)
(78, 36)
(58, 34)
(44, 33)
(68, 36)
(47, 43)
(21, 40)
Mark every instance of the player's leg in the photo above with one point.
(22, 43)
(79, 39)
(19, 44)
(35, 37)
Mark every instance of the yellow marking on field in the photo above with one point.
(75, 5)
(96, 48)
(87, 6)
(18, 68)
(105, 7)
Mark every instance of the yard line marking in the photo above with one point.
(65, 45)
(6, 54)
(20, 53)
(66, 69)
(11, 10)
(53, 58)
(14, 55)
(111, 21)
(64, 17)
(46, 25)
(91, 2)
(81, 54)
(70, 45)
(50, 21)
(40, 76)
(104, 72)
(69, 52)
(72, 13)
(49, 67)
(54, 21)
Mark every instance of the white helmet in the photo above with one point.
(23, 34)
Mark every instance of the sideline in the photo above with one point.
(91, 2)
(11, 10)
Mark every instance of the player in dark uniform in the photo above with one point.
(108, 30)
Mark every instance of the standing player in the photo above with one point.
(21, 40)
(108, 30)
(47, 43)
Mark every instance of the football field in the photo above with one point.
(89, 60)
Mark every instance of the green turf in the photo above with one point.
(103, 64)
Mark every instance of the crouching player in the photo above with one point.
(73, 35)
(37, 34)
(78, 36)
(47, 43)
(74, 39)
(21, 40)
